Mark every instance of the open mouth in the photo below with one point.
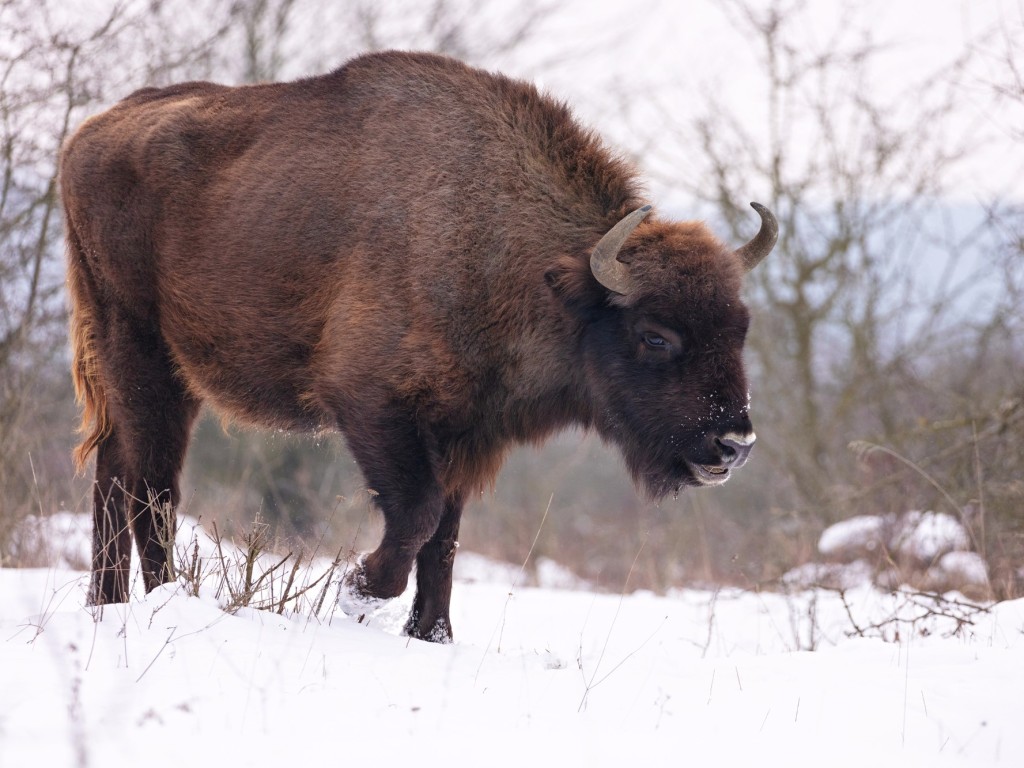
(710, 475)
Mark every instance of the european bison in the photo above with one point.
(437, 261)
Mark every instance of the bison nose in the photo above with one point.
(735, 448)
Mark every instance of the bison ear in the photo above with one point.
(572, 283)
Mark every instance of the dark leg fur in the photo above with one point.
(408, 496)
(429, 619)
(111, 537)
(152, 416)
(420, 526)
(155, 495)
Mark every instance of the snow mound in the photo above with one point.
(867, 532)
(63, 540)
(962, 567)
(926, 536)
(552, 575)
(472, 568)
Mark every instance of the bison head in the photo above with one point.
(662, 328)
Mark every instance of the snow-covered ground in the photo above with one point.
(544, 674)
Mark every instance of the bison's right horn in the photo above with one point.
(763, 241)
(609, 271)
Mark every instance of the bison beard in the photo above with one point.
(436, 261)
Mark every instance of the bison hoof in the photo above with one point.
(438, 632)
(353, 597)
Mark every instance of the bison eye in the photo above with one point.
(653, 340)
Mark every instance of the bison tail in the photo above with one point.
(89, 394)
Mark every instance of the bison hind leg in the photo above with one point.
(151, 414)
(111, 535)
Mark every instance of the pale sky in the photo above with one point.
(675, 51)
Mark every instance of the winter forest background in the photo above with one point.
(887, 349)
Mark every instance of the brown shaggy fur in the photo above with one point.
(398, 250)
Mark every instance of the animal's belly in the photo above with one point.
(255, 377)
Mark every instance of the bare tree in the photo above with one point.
(265, 24)
(55, 68)
(853, 179)
(883, 300)
(43, 83)
(290, 38)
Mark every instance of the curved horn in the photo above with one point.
(610, 272)
(763, 241)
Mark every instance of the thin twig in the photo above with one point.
(522, 569)
(500, 626)
(622, 596)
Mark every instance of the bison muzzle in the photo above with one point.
(437, 261)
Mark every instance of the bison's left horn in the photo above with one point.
(609, 271)
(763, 241)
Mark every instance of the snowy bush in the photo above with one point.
(926, 536)
(929, 549)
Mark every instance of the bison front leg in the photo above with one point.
(429, 619)
(400, 472)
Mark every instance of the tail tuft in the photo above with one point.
(89, 392)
